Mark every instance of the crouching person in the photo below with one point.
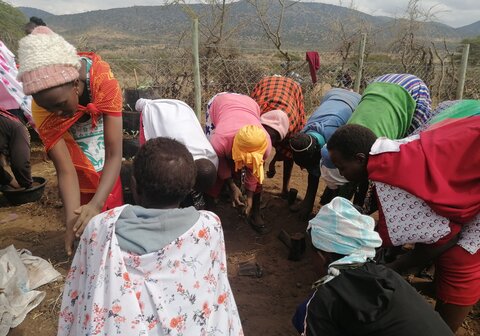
(152, 269)
(174, 119)
(357, 296)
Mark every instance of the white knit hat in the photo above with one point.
(46, 60)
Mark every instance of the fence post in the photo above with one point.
(361, 56)
(196, 70)
(462, 71)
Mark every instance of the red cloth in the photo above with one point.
(441, 168)
(313, 59)
(282, 93)
(457, 277)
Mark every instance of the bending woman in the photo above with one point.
(77, 108)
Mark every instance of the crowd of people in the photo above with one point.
(159, 267)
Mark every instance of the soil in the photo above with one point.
(266, 304)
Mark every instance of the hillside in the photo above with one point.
(470, 30)
(28, 12)
(306, 25)
(12, 22)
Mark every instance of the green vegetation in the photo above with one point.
(12, 21)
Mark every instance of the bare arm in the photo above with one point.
(111, 171)
(420, 256)
(68, 186)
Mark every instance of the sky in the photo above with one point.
(455, 13)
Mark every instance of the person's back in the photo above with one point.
(174, 119)
(371, 300)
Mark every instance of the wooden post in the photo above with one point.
(361, 56)
(196, 70)
(462, 71)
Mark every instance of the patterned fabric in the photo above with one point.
(181, 289)
(419, 92)
(339, 228)
(282, 93)
(11, 90)
(440, 167)
(410, 220)
(106, 98)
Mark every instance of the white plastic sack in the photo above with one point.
(19, 274)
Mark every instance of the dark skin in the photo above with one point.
(140, 198)
(63, 101)
(355, 169)
(287, 163)
(305, 207)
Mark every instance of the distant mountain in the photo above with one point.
(470, 30)
(29, 11)
(305, 25)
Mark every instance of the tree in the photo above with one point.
(272, 23)
(12, 22)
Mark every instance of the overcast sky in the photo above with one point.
(455, 13)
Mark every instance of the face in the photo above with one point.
(307, 160)
(29, 27)
(320, 261)
(354, 169)
(61, 100)
(274, 135)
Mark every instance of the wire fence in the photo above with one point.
(170, 75)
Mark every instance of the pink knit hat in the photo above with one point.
(278, 120)
(46, 61)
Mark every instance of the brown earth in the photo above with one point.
(266, 304)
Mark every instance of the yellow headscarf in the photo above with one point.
(249, 146)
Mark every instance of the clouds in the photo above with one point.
(455, 13)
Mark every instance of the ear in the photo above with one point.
(361, 158)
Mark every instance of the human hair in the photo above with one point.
(351, 139)
(37, 21)
(206, 175)
(164, 172)
(305, 149)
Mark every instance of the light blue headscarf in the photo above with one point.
(340, 228)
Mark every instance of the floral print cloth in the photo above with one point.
(181, 289)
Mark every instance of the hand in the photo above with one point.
(85, 213)
(271, 169)
(69, 239)
(236, 195)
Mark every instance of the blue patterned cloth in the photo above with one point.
(340, 228)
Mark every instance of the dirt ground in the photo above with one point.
(266, 304)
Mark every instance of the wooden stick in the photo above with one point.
(136, 77)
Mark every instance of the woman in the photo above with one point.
(77, 108)
(392, 106)
(282, 114)
(152, 269)
(428, 194)
(334, 111)
(374, 299)
(242, 145)
(161, 118)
